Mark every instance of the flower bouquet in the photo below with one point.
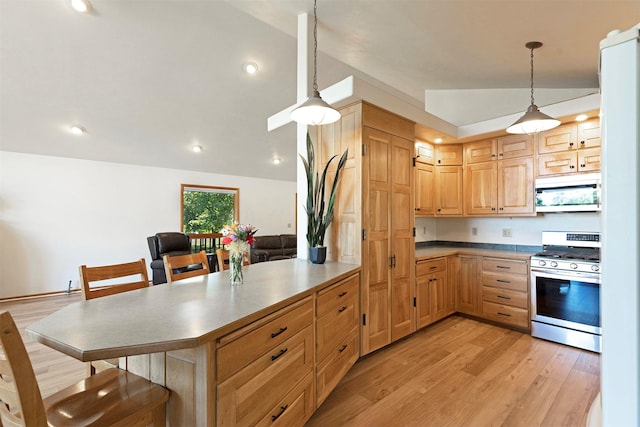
(237, 238)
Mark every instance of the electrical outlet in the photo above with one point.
(474, 231)
(507, 232)
(289, 225)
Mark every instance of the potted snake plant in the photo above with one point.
(319, 208)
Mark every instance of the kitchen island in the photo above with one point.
(199, 335)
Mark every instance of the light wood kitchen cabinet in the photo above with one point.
(425, 186)
(265, 370)
(337, 343)
(505, 291)
(504, 187)
(425, 153)
(568, 149)
(468, 282)
(374, 218)
(432, 293)
(448, 191)
(504, 147)
(448, 155)
(485, 150)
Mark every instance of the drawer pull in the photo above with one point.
(503, 281)
(506, 267)
(341, 309)
(282, 409)
(282, 351)
(503, 297)
(341, 294)
(433, 267)
(275, 334)
(504, 314)
(343, 348)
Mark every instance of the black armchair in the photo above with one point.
(162, 244)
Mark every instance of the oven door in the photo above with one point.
(567, 299)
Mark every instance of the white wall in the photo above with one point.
(524, 231)
(58, 213)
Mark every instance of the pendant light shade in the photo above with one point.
(314, 111)
(533, 121)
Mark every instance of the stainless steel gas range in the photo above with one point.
(565, 289)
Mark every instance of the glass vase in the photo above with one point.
(235, 268)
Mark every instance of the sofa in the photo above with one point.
(274, 247)
(161, 244)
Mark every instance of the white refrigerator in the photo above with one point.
(620, 289)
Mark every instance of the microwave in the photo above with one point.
(570, 193)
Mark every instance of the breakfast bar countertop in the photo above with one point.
(182, 315)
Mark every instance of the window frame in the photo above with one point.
(210, 189)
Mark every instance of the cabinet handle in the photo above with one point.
(501, 154)
(341, 309)
(275, 334)
(503, 297)
(341, 294)
(282, 351)
(390, 262)
(570, 144)
(503, 281)
(493, 209)
(493, 155)
(282, 409)
(433, 267)
(582, 165)
(439, 161)
(582, 143)
(394, 261)
(504, 314)
(417, 209)
(501, 209)
(503, 267)
(572, 167)
(343, 348)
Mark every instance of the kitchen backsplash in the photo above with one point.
(507, 231)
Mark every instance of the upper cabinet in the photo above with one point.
(448, 155)
(570, 148)
(425, 153)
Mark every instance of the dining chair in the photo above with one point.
(184, 266)
(223, 259)
(110, 398)
(120, 278)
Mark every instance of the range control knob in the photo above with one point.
(595, 268)
(542, 263)
(554, 264)
(573, 266)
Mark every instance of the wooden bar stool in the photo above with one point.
(110, 398)
(184, 266)
(223, 259)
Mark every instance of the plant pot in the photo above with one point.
(318, 254)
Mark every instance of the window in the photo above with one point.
(207, 209)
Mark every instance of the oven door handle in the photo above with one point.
(564, 275)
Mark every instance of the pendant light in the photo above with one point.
(533, 120)
(314, 111)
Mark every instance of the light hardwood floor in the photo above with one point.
(458, 372)
(461, 372)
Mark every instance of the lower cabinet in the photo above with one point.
(432, 292)
(505, 291)
(468, 284)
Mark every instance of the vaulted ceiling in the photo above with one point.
(149, 79)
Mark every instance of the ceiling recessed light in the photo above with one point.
(82, 6)
(276, 160)
(77, 130)
(196, 148)
(437, 140)
(581, 117)
(250, 67)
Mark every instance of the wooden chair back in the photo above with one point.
(185, 266)
(223, 259)
(113, 397)
(90, 275)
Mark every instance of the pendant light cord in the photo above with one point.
(532, 100)
(315, 45)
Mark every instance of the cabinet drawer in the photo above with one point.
(514, 282)
(505, 314)
(251, 394)
(431, 266)
(334, 325)
(505, 297)
(505, 265)
(295, 409)
(335, 296)
(242, 347)
(333, 368)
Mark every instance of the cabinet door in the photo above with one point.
(515, 186)
(424, 306)
(513, 146)
(589, 160)
(425, 153)
(425, 186)
(562, 138)
(557, 163)
(480, 188)
(480, 151)
(439, 296)
(449, 155)
(402, 240)
(468, 285)
(448, 190)
(589, 134)
(376, 286)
